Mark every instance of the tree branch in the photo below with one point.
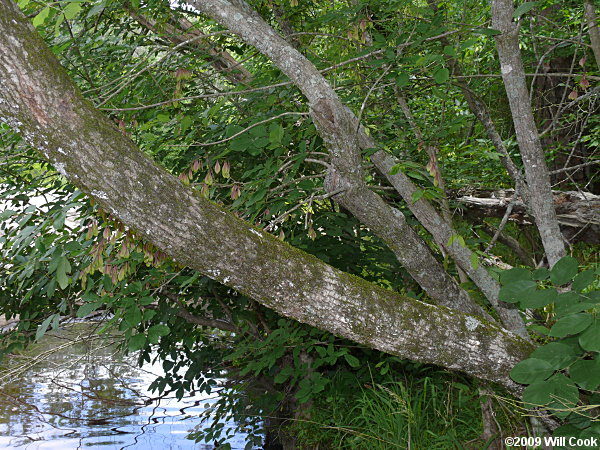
(38, 99)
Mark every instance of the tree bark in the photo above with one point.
(337, 126)
(592, 21)
(38, 99)
(536, 170)
(578, 213)
(443, 233)
(341, 131)
(183, 31)
(481, 112)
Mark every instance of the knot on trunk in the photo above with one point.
(324, 114)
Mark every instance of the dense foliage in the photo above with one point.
(242, 136)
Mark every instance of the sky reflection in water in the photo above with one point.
(85, 395)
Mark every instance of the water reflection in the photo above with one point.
(74, 390)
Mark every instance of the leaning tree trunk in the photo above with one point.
(38, 99)
(345, 138)
(337, 126)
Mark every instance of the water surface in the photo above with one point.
(74, 390)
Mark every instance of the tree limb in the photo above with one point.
(337, 125)
(536, 170)
(38, 99)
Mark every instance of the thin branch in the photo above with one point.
(364, 103)
(201, 96)
(503, 223)
(578, 166)
(131, 76)
(281, 217)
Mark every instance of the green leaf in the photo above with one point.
(284, 374)
(41, 330)
(441, 75)
(88, 308)
(558, 390)
(565, 310)
(72, 10)
(593, 297)
(516, 291)
(41, 17)
(51, 288)
(185, 123)
(538, 393)
(568, 303)
(65, 265)
(159, 330)
(276, 134)
(538, 298)
(564, 270)
(149, 314)
(583, 280)
(586, 373)
(457, 237)
(590, 338)
(73, 246)
(89, 297)
(565, 391)
(557, 354)
(6, 214)
(540, 274)
(402, 80)
(156, 331)
(417, 195)
(351, 360)
(523, 9)
(514, 274)
(136, 342)
(133, 316)
(571, 324)
(449, 50)
(531, 370)
(96, 9)
(474, 261)
(146, 300)
(539, 329)
(62, 268)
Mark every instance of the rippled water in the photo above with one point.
(74, 391)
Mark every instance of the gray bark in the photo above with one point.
(592, 21)
(481, 112)
(442, 232)
(578, 213)
(38, 99)
(536, 170)
(183, 30)
(337, 126)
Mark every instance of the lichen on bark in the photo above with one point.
(104, 163)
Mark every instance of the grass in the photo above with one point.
(426, 413)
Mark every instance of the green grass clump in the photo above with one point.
(425, 413)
